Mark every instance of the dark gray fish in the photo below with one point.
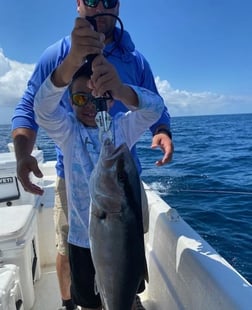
(116, 227)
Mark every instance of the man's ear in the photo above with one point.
(78, 6)
(118, 7)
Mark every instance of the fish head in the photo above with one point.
(115, 181)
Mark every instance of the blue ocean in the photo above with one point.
(209, 181)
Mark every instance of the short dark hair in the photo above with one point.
(84, 71)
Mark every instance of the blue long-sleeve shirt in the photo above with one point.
(131, 66)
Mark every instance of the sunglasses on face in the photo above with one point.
(108, 4)
(82, 99)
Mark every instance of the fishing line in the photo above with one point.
(101, 102)
(213, 191)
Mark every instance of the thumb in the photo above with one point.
(154, 145)
(36, 171)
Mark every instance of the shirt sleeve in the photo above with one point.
(24, 115)
(50, 115)
(147, 81)
(134, 123)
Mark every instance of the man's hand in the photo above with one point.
(165, 143)
(24, 140)
(24, 167)
(84, 41)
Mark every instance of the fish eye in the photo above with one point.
(121, 176)
(102, 215)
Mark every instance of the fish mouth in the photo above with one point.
(112, 153)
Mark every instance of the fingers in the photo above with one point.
(85, 41)
(29, 186)
(101, 69)
(167, 157)
(83, 29)
(165, 144)
(104, 77)
(24, 167)
(34, 189)
(165, 160)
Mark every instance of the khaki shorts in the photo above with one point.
(60, 217)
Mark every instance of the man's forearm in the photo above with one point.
(63, 74)
(23, 140)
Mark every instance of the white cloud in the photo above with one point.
(183, 103)
(14, 77)
(13, 80)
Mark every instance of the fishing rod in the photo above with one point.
(103, 119)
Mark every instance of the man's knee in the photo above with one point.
(63, 258)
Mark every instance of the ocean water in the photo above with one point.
(209, 181)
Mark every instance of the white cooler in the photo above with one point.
(11, 190)
(11, 297)
(19, 246)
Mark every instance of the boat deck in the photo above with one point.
(47, 295)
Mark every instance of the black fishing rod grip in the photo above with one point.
(101, 105)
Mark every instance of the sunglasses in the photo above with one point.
(81, 99)
(108, 4)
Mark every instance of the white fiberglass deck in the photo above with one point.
(47, 296)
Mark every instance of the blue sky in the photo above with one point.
(199, 50)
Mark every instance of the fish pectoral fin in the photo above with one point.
(146, 273)
(146, 276)
(96, 290)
